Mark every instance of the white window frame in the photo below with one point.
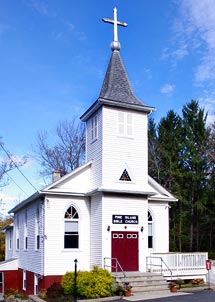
(26, 231)
(24, 280)
(125, 124)
(94, 128)
(10, 239)
(37, 229)
(150, 227)
(69, 219)
(17, 233)
(36, 282)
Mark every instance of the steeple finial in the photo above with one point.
(115, 45)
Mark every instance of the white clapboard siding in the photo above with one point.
(29, 259)
(120, 151)
(160, 226)
(78, 181)
(96, 231)
(57, 259)
(9, 237)
(94, 150)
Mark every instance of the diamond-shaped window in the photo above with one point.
(125, 176)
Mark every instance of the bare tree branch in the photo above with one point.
(64, 155)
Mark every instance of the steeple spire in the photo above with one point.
(116, 90)
(115, 45)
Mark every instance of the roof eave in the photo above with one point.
(115, 191)
(25, 202)
(114, 103)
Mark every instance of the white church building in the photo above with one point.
(107, 211)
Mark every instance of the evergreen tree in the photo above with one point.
(154, 157)
(194, 163)
(179, 162)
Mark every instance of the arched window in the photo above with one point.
(150, 231)
(71, 235)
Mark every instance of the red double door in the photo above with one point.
(125, 250)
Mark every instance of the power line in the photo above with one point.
(16, 184)
(11, 159)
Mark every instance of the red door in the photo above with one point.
(125, 250)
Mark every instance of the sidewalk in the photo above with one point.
(189, 295)
(156, 295)
(200, 294)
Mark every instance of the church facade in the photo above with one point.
(108, 212)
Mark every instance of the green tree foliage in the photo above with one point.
(90, 284)
(180, 149)
(3, 223)
(194, 162)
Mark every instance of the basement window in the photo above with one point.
(24, 280)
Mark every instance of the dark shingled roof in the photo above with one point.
(116, 90)
(116, 85)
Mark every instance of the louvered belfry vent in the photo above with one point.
(125, 176)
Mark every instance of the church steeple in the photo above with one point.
(116, 90)
(116, 127)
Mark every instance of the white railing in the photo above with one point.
(177, 263)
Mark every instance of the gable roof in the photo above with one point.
(160, 193)
(58, 187)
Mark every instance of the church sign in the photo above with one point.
(125, 219)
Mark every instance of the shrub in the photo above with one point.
(197, 281)
(42, 293)
(67, 283)
(55, 290)
(94, 284)
(117, 289)
(12, 293)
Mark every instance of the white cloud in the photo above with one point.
(208, 104)
(7, 202)
(194, 35)
(167, 88)
(38, 5)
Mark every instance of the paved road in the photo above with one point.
(199, 296)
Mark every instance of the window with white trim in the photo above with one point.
(125, 124)
(94, 128)
(150, 231)
(26, 231)
(10, 238)
(37, 228)
(24, 280)
(17, 232)
(71, 231)
(36, 279)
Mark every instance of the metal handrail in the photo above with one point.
(161, 266)
(118, 265)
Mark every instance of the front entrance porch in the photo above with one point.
(178, 265)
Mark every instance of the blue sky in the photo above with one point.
(54, 55)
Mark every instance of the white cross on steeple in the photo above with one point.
(115, 22)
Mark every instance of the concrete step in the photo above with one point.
(143, 282)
